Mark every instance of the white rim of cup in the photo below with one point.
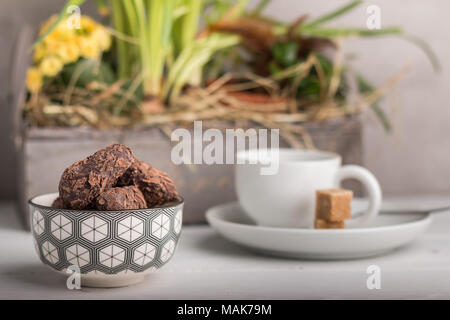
(321, 156)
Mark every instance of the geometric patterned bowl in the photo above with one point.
(110, 248)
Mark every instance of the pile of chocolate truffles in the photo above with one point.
(113, 179)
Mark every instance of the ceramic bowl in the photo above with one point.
(110, 248)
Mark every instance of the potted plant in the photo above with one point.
(156, 65)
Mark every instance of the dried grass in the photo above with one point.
(219, 101)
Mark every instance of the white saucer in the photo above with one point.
(387, 232)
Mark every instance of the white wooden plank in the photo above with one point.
(206, 266)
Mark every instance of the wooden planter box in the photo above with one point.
(44, 153)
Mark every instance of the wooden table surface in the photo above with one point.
(206, 266)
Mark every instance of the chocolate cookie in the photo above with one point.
(121, 198)
(155, 185)
(58, 204)
(85, 180)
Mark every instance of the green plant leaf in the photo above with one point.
(262, 4)
(334, 14)
(331, 33)
(366, 87)
(286, 53)
(309, 88)
(193, 58)
(90, 71)
(425, 47)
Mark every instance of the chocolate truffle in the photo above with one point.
(85, 180)
(121, 198)
(58, 204)
(155, 185)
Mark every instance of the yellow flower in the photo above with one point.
(51, 66)
(63, 33)
(52, 43)
(68, 52)
(89, 47)
(34, 80)
(103, 38)
(65, 45)
(39, 52)
(88, 24)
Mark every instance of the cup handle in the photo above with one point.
(373, 189)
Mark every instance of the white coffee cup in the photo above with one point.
(287, 198)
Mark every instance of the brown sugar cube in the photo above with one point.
(333, 205)
(323, 224)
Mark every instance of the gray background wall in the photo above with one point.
(415, 158)
(412, 159)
